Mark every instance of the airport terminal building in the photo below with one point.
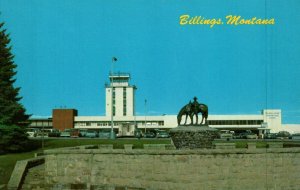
(120, 106)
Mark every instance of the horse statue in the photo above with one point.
(187, 111)
(200, 108)
(191, 109)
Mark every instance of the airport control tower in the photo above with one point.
(123, 95)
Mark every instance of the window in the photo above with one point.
(124, 102)
(114, 110)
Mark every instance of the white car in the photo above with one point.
(32, 132)
(65, 134)
(225, 134)
(251, 136)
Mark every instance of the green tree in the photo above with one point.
(11, 110)
(13, 119)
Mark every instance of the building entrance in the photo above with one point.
(126, 130)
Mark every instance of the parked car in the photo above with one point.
(54, 133)
(43, 133)
(162, 134)
(32, 132)
(149, 135)
(296, 136)
(138, 133)
(248, 134)
(104, 134)
(74, 133)
(225, 134)
(66, 133)
(283, 135)
(270, 136)
(251, 136)
(239, 136)
(91, 134)
(82, 132)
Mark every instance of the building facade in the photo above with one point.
(125, 126)
(120, 95)
(64, 118)
(120, 100)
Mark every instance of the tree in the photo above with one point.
(13, 119)
(12, 111)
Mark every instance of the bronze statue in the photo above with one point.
(203, 109)
(187, 111)
(192, 109)
(200, 108)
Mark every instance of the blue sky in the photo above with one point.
(64, 48)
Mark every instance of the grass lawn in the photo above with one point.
(8, 161)
(7, 164)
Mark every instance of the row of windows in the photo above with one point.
(114, 101)
(234, 122)
(40, 123)
(120, 80)
(124, 102)
(108, 123)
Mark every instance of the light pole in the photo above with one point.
(112, 133)
(43, 142)
(135, 125)
(145, 114)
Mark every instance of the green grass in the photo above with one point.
(243, 144)
(8, 161)
(7, 164)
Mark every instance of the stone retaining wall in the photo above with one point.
(224, 168)
(20, 171)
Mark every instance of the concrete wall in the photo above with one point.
(272, 168)
(20, 171)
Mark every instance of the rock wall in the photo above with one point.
(34, 178)
(20, 171)
(193, 137)
(273, 168)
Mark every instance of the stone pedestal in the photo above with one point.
(192, 137)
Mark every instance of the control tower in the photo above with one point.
(123, 95)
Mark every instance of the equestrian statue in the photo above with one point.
(192, 109)
(187, 111)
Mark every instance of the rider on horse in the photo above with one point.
(195, 104)
(202, 108)
(192, 109)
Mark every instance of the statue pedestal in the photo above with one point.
(192, 137)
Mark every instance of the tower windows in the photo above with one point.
(124, 101)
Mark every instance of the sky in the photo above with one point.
(64, 50)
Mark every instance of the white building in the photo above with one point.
(125, 120)
(122, 96)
